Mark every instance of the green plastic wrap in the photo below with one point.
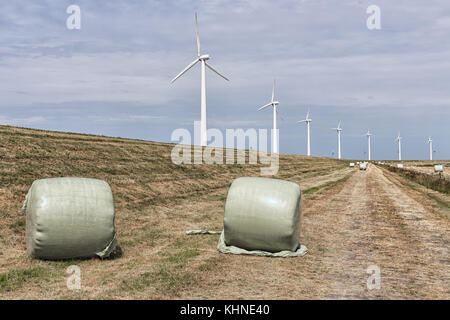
(69, 218)
(262, 214)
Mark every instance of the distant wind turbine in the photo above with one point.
(368, 134)
(399, 140)
(274, 104)
(430, 142)
(202, 59)
(308, 128)
(338, 129)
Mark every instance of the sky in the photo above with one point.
(112, 76)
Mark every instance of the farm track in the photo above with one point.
(369, 220)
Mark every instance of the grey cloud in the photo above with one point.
(320, 51)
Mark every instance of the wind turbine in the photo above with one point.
(308, 142)
(430, 142)
(274, 104)
(399, 140)
(338, 129)
(368, 134)
(202, 59)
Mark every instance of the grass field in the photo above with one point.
(351, 219)
(155, 202)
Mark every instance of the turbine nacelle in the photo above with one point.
(204, 57)
(273, 102)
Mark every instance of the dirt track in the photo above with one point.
(371, 219)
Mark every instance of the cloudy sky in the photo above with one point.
(112, 76)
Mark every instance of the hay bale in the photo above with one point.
(438, 168)
(352, 165)
(400, 165)
(263, 214)
(69, 218)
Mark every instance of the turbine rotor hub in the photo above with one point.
(204, 57)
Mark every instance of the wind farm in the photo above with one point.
(194, 203)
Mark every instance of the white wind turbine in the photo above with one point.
(368, 134)
(399, 140)
(308, 141)
(274, 104)
(430, 142)
(338, 129)
(201, 58)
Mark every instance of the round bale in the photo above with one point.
(263, 214)
(69, 218)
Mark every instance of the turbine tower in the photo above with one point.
(338, 129)
(202, 59)
(368, 134)
(430, 142)
(308, 141)
(399, 140)
(274, 104)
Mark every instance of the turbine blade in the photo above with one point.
(301, 121)
(185, 69)
(209, 66)
(273, 90)
(197, 36)
(265, 106)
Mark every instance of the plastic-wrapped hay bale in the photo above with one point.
(69, 218)
(438, 168)
(262, 217)
(352, 165)
(400, 165)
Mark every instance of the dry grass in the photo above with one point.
(425, 177)
(350, 219)
(155, 202)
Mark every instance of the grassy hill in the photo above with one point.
(155, 202)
